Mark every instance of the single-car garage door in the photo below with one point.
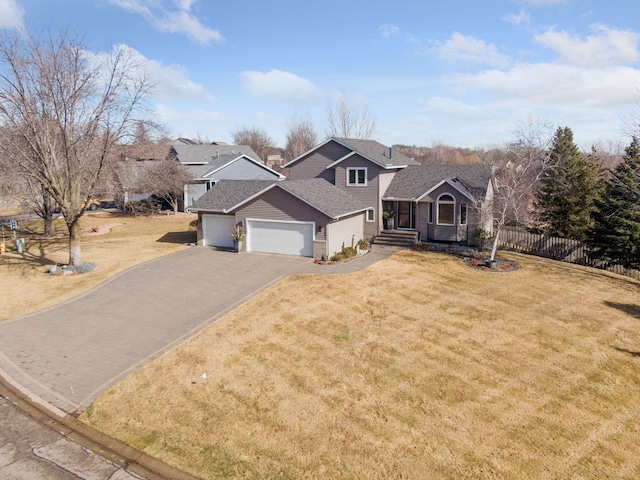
(290, 238)
(217, 229)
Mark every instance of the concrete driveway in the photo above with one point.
(70, 354)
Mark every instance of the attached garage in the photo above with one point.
(289, 238)
(217, 229)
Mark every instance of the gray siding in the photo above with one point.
(345, 233)
(243, 169)
(194, 192)
(277, 204)
(314, 165)
(447, 233)
(369, 194)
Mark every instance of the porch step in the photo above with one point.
(398, 238)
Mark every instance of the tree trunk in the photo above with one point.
(494, 246)
(48, 224)
(75, 256)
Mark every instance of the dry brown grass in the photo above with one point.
(118, 242)
(417, 368)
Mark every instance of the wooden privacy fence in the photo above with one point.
(562, 249)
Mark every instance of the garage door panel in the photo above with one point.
(289, 238)
(216, 230)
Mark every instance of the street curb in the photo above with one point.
(86, 436)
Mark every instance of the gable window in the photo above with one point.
(463, 214)
(357, 176)
(446, 209)
(371, 215)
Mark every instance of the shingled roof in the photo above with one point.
(416, 181)
(227, 195)
(384, 156)
(195, 154)
(379, 153)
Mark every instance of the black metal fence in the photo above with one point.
(561, 249)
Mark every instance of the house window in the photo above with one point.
(430, 212)
(446, 209)
(371, 215)
(356, 176)
(463, 214)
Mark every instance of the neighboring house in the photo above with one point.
(307, 217)
(209, 164)
(441, 203)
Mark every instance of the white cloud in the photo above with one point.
(556, 85)
(167, 114)
(467, 49)
(521, 18)
(171, 82)
(166, 19)
(388, 30)
(607, 47)
(453, 107)
(11, 15)
(280, 86)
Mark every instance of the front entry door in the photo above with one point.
(406, 217)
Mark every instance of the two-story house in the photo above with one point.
(336, 194)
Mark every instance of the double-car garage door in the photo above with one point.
(289, 238)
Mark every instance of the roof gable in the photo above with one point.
(381, 155)
(416, 182)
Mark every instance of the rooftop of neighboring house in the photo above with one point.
(203, 154)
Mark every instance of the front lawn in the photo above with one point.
(418, 367)
(114, 242)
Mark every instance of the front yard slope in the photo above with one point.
(417, 368)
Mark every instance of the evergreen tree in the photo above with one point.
(567, 193)
(615, 236)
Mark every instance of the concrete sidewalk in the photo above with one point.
(70, 354)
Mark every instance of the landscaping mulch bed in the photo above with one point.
(471, 257)
(502, 265)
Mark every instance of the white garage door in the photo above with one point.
(289, 238)
(217, 229)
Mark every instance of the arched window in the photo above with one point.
(446, 209)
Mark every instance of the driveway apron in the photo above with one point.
(70, 354)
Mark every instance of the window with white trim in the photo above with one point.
(463, 214)
(446, 210)
(356, 176)
(371, 215)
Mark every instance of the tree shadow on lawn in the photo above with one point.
(178, 237)
(34, 255)
(629, 309)
(627, 351)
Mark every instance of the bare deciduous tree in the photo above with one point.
(256, 138)
(515, 174)
(66, 109)
(301, 137)
(165, 179)
(350, 120)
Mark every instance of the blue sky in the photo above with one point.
(460, 72)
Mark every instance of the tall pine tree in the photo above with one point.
(615, 236)
(567, 193)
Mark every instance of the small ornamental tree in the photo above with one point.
(515, 173)
(615, 235)
(568, 190)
